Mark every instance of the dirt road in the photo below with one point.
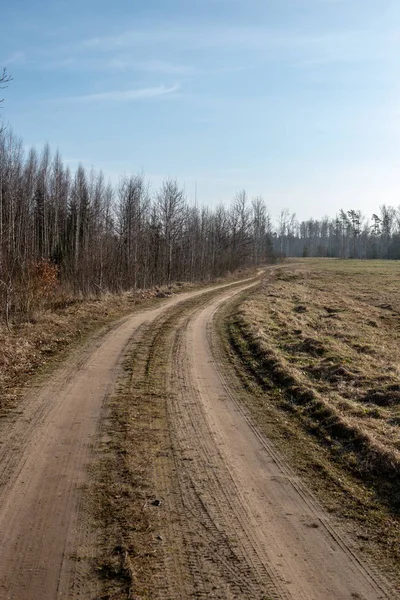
(234, 520)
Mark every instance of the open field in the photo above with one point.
(318, 346)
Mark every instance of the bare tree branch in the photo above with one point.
(5, 79)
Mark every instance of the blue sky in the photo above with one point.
(294, 100)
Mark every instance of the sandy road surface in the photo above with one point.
(43, 465)
(235, 521)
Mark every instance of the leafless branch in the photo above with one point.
(5, 79)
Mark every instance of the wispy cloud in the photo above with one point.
(209, 47)
(160, 66)
(124, 95)
(202, 36)
(16, 58)
(189, 36)
(313, 44)
(128, 63)
(117, 63)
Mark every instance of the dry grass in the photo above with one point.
(32, 348)
(121, 493)
(321, 340)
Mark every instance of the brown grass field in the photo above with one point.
(318, 345)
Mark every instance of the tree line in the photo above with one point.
(100, 237)
(76, 232)
(349, 235)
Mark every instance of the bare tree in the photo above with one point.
(355, 222)
(388, 215)
(261, 231)
(170, 203)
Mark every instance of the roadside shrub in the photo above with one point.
(35, 288)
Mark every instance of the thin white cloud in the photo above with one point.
(117, 63)
(16, 58)
(257, 44)
(200, 36)
(124, 95)
(160, 66)
(190, 36)
(127, 63)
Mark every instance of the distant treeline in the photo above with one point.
(91, 236)
(349, 235)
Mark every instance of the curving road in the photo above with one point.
(236, 522)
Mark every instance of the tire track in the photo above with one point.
(211, 495)
(369, 571)
(208, 551)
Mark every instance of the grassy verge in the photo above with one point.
(135, 445)
(29, 349)
(119, 498)
(317, 346)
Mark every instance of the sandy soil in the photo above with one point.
(236, 522)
